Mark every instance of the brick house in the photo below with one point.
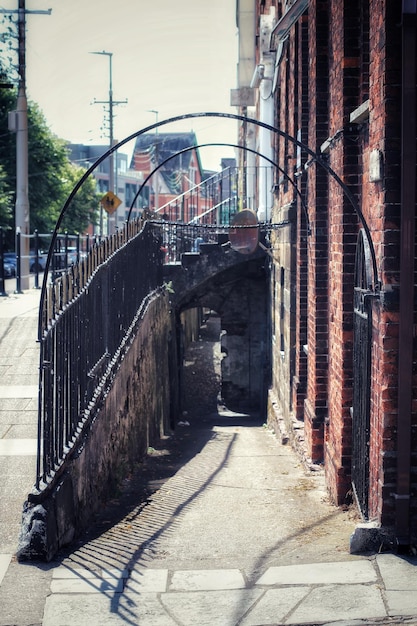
(341, 76)
(175, 186)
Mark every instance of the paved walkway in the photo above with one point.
(221, 526)
(18, 412)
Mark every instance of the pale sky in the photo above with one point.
(172, 56)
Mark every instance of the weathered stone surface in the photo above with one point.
(369, 537)
(138, 406)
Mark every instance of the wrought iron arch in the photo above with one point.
(233, 116)
(229, 145)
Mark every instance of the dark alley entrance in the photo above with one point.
(201, 370)
(204, 364)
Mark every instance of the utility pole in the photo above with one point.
(110, 102)
(18, 121)
(156, 207)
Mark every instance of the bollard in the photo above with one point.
(3, 292)
(36, 285)
(18, 262)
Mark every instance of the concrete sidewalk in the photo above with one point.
(222, 525)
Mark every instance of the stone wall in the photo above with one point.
(139, 407)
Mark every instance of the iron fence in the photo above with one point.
(84, 320)
(362, 357)
(178, 238)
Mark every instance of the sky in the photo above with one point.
(170, 56)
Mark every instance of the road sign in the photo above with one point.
(244, 238)
(110, 202)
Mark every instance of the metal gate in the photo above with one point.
(361, 373)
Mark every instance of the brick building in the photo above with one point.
(176, 175)
(341, 78)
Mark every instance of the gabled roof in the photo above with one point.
(162, 146)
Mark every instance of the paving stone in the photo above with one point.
(401, 602)
(147, 580)
(13, 404)
(319, 574)
(23, 418)
(4, 564)
(18, 447)
(397, 572)
(210, 608)
(18, 391)
(274, 605)
(328, 604)
(22, 431)
(207, 580)
(105, 610)
(86, 585)
(68, 573)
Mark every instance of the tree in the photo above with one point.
(6, 205)
(7, 178)
(83, 209)
(51, 175)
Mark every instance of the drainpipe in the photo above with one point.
(263, 79)
(266, 114)
(408, 207)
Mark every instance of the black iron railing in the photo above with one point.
(362, 354)
(84, 320)
(178, 238)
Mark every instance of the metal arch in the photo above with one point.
(230, 145)
(232, 116)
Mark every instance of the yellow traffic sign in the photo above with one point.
(110, 202)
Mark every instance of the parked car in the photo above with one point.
(10, 259)
(9, 269)
(35, 264)
(67, 257)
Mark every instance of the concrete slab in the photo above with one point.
(62, 572)
(210, 608)
(328, 604)
(106, 611)
(22, 417)
(398, 573)
(93, 584)
(401, 602)
(320, 574)
(28, 430)
(22, 594)
(147, 581)
(115, 573)
(18, 447)
(207, 580)
(274, 605)
(4, 564)
(14, 404)
(18, 391)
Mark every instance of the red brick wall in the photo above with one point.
(343, 87)
(383, 211)
(315, 406)
(353, 54)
